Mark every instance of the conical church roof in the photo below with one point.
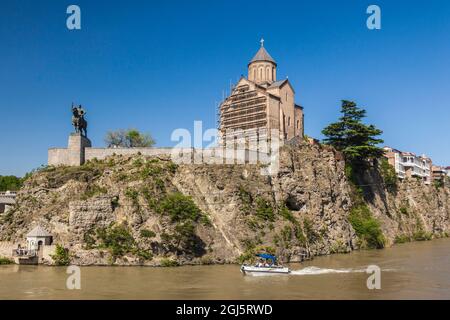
(262, 55)
(38, 232)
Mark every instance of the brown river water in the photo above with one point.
(419, 270)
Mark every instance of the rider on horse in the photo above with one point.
(78, 120)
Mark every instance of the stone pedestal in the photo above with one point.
(76, 146)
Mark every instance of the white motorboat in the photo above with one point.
(264, 266)
(245, 269)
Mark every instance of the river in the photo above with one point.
(419, 270)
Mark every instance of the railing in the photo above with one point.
(8, 194)
(24, 253)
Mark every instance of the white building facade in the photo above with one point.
(407, 164)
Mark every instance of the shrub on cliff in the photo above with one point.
(61, 257)
(388, 174)
(168, 263)
(117, 239)
(179, 207)
(264, 210)
(145, 233)
(4, 261)
(366, 227)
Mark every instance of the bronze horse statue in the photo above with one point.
(78, 121)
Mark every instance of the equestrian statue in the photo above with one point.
(78, 121)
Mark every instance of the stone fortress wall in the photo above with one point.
(79, 151)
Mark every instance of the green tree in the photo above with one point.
(130, 138)
(355, 139)
(117, 238)
(179, 207)
(11, 183)
(61, 257)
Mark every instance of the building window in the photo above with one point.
(298, 124)
(286, 96)
(289, 121)
(254, 73)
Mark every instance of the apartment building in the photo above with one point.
(439, 172)
(408, 164)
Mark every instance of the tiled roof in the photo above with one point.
(262, 55)
(38, 232)
(277, 84)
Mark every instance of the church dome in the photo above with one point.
(262, 68)
(262, 55)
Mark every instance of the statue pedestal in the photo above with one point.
(77, 144)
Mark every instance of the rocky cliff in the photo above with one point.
(137, 210)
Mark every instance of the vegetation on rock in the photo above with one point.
(388, 174)
(366, 227)
(148, 210)
(4, 261)
(147, 233)
(168, 263)
(130, 138)
(10, 183)
(61, 257)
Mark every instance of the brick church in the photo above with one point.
(260, 102)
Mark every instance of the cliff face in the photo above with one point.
(147, 211)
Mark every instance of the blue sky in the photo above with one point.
(160, 65)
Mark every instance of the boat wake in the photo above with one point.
(316, 270)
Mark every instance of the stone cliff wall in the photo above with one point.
(300, 212)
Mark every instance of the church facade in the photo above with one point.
(261, 103)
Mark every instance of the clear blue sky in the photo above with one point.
(160, 65)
